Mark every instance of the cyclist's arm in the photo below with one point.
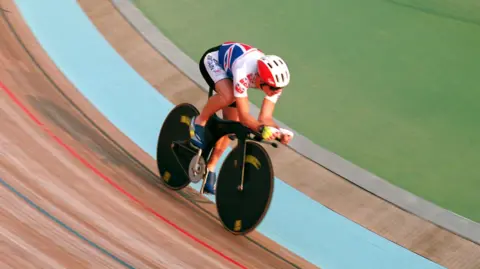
(266, 117)
(241, 82)
(243, 108)
(266, 113)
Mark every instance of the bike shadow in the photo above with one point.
(81, 130)
(107, 151)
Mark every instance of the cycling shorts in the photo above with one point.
(211, 70)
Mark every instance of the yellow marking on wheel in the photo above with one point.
(185, 119)
(253, 161)
(166, 176)
(235, 163)
(238, 225)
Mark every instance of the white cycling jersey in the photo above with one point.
(238, 62)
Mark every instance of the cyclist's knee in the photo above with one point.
(230, 113)
(222, 144)
(228, 99)
(225, 89)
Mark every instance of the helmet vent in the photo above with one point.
(276, 76)
(283, 78)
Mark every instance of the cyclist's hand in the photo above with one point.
(269, 133)
(286, 136)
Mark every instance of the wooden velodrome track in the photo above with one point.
(77, 193)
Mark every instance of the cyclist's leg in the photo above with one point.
(218, 80)
(222, 99)
(229, 113)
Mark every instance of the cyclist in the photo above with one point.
(231, 69)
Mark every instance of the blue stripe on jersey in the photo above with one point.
(228, 56)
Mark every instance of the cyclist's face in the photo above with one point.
(269, 90)
(265, 87)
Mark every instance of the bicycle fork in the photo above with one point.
(242, 164)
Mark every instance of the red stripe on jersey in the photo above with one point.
(245, 46)
(229, 58)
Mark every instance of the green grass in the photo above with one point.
(390, 85)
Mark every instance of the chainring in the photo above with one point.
(197, 170)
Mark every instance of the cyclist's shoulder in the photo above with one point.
(231, 46)
(241, 58)
(237, 43)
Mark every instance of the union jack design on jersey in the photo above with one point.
(229, 52)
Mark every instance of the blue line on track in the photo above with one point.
(59, 222)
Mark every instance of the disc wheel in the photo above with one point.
(173, 159)
(241, 211)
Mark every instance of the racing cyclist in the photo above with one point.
(231, 69)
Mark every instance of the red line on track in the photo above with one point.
(110, 181)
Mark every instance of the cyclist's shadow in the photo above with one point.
(107, 150)
(83, 131)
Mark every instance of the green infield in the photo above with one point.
(390, 85)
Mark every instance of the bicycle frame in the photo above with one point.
(217, 128)
(238, 187)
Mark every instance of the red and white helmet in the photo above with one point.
(274, 71)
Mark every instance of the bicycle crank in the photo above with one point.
(197, 168)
